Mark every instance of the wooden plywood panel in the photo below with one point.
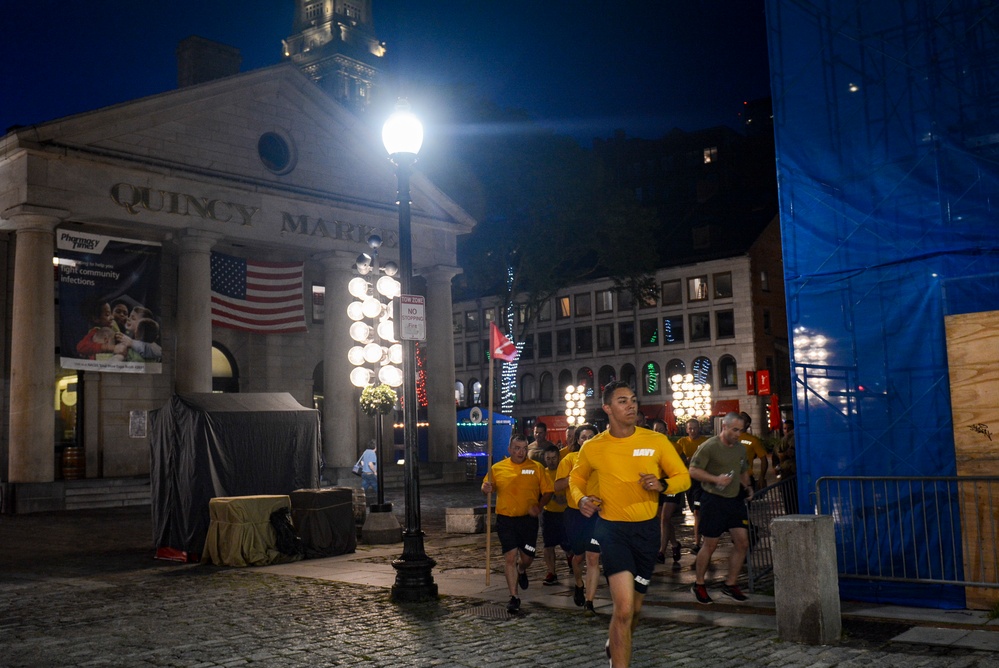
(973, 359)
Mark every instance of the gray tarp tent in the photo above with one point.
(209, 445)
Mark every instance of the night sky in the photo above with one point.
(580, 68)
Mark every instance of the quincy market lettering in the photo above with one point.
(136, 199)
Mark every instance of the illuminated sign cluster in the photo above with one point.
(690, 399)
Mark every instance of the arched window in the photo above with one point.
(475, 397)
(651, 380)
(564, 380)
(606, 375)
(225, 373)
(585, 378)
(528, 388)
(546, 390)
(628, 375)
(459, 393)
(701, 370)
(728, 372)
(675, 366)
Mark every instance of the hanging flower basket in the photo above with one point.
(377, 399)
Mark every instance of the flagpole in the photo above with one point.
(489, 468)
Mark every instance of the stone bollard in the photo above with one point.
(465, 520)
(806, 583)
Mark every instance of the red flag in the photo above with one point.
(501, 347)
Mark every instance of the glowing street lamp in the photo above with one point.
(402, 136)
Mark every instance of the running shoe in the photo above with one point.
(550, 579)
(676, 566)
(610, 662)
(522, 580)
(701, 593)
(661, 558)
(513, 605)
(676, 552)
(588, 610)
(733, 591)
(695, 549)
(577, 596)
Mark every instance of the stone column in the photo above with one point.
(194, 311)
(340, 407)
(32, 344)
(443, 435)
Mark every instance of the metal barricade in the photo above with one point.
(933, 530)
(771, 502)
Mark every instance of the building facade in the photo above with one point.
(716, 319)
(261, 166)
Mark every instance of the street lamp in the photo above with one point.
(376, 354)
(402, 136)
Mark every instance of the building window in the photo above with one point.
(767, 322)
(476, 396)
(605, 301)
(605, 376)
(527, 351)
(764, 280)
(313, 11)
(585, 378)
(459, 393)
(584, 340)
(471, 321)
(728, 372)
(674, 367)
(276, 153)
(725, 324)
(697, 289)
(488, 316)
(626, 334)
(459, 349)
(544, 345)
(710, 155)
(528, 389)
(651, 381)
(672, 292)
(546, 388)
(625, 301)
(523, 313)
(649, 332)
(473, 352)
(563, 342)
(564, 308)
(605, 337)
(700, 327)
(723, 285)
(672, 329)
(545, 311)
(628, 376)
(701, 370)
(456, 323)
(564, 379)
(583, 305)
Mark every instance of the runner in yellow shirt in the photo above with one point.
(579, 529)
(522, 489)
(634, 466)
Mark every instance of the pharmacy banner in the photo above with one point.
(109, 303)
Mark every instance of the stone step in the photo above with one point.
(107, 493)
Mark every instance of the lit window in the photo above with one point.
(564, 308)
(710, 155)
(697, 288)
(605, 301)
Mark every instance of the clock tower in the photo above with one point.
(335, 44)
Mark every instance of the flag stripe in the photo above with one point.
(256, 296)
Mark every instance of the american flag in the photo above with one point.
(264, 297)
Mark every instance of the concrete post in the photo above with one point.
(806, 583)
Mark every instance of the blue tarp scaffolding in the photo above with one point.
(886, 120)
(473, 425)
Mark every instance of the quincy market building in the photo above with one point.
(136, 202)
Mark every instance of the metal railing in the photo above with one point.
(932, 530)
(771, 502)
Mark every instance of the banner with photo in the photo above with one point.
(109, 303)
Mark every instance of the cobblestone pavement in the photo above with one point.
(81, 589)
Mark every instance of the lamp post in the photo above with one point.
(402, 136)
(376, 355)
